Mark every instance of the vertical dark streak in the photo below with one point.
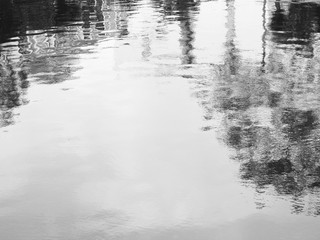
(263, 63)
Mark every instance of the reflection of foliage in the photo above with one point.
(12, 87)
(296, 26)
(18, 17)
(6, 20)
(26, 19)
(48, 36)
(21, 18)
(270, 116)
(277, 145)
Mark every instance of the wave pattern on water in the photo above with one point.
(136, 160)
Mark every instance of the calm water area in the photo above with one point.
(159, 119)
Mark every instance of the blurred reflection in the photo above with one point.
(28, 53)
(155, 171)
(66, 11)
(13, 82)
(47, 36)
(184, 12)
(232, 58)
(295, 24)
(271, 117)
(41, 39)
(7, 25)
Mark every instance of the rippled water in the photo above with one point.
(159, 119)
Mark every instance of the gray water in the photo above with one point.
(161, 119)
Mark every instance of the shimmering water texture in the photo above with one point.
(160, 119)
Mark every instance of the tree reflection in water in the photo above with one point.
(271, 117)
(184, 12)
(13, 83)
(270, 113)
(42, 40)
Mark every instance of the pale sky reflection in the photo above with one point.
(121, 152)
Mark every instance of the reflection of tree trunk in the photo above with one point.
(99, 14)
(231, 60)
(86, 10)
(187, 38)
(278, 6)
(186, 29)
(263, 63)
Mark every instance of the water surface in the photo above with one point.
(159, 119)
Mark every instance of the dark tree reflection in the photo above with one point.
(7, 23)
(27, 22)
(270, 117)
(184, 12)
(42, 40)
(297, 25)
(12, 89)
